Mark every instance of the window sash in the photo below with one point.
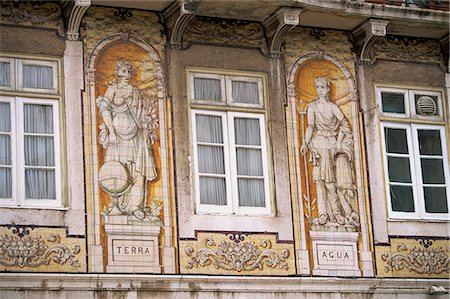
(12, 74)
(226, 83)
(413, 93)
(20, 75)
(211, 208)
(193, 76)
(18, 154)
(417, 184)
(13, 200)
(380, 92)
(230, 160)
(233, 102)
(410, 103)
(234, 173)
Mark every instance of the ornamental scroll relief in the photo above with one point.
(27, 13)
(237, 255)
(213, 31)
(32, 251)
(419, 260)
(406, 49)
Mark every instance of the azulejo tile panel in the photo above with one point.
(40, 249)
(418, 257)
(236, 254)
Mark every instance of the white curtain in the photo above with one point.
(249, 162)
(4, 74)
(5, 151)
(39, 151)
(40, 184)
(245, 92)
(213, 191)
(36, 76)
(207, 89)
(247, 131)
(210, 159)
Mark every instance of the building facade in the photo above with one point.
(229, 149)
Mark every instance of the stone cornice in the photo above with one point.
(208, 283)
(370, 10)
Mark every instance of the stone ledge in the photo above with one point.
(202, 283)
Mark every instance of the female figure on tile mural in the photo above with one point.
(127, 133)
(329, 139)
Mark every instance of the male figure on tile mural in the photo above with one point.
(329, 139)
(128, 131)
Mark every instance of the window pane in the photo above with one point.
(247, 131)
(213, 191)
(435, 199)
(249, 162)
(209, 128)
(39, 151)
(426, 105)
(402, 198)
(432, 171)
(210, 159)
(40, 184)
(5, 117)
(5, 150)
(37, 76)
(396, 141)
(430, 142)
(207, 89)
(393, 102)
(245, 92)
(38, 118)
(399, 170)
(5, 183)
(5, 74)
(251, 193)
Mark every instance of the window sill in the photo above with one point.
(35, 208)
(429, 220)
(212, 214)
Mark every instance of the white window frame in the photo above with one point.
(12, 105)
(412, 101)
(229, 90)
(12, 73)
(52, 64)
(193, 75)
(406, 103)
(229, 146)
(17, 147)
(226, 88)
(233, 160)
(207, 208)
(416, 171)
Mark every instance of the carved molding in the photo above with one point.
(423, 260)
(74, 13)
(178, 16)
(237, 255)
(23, 250)
(366, 36)
(219, 31)
(406, 49)
(278, 25)
(39, 14)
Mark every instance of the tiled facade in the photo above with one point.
(133, 92)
